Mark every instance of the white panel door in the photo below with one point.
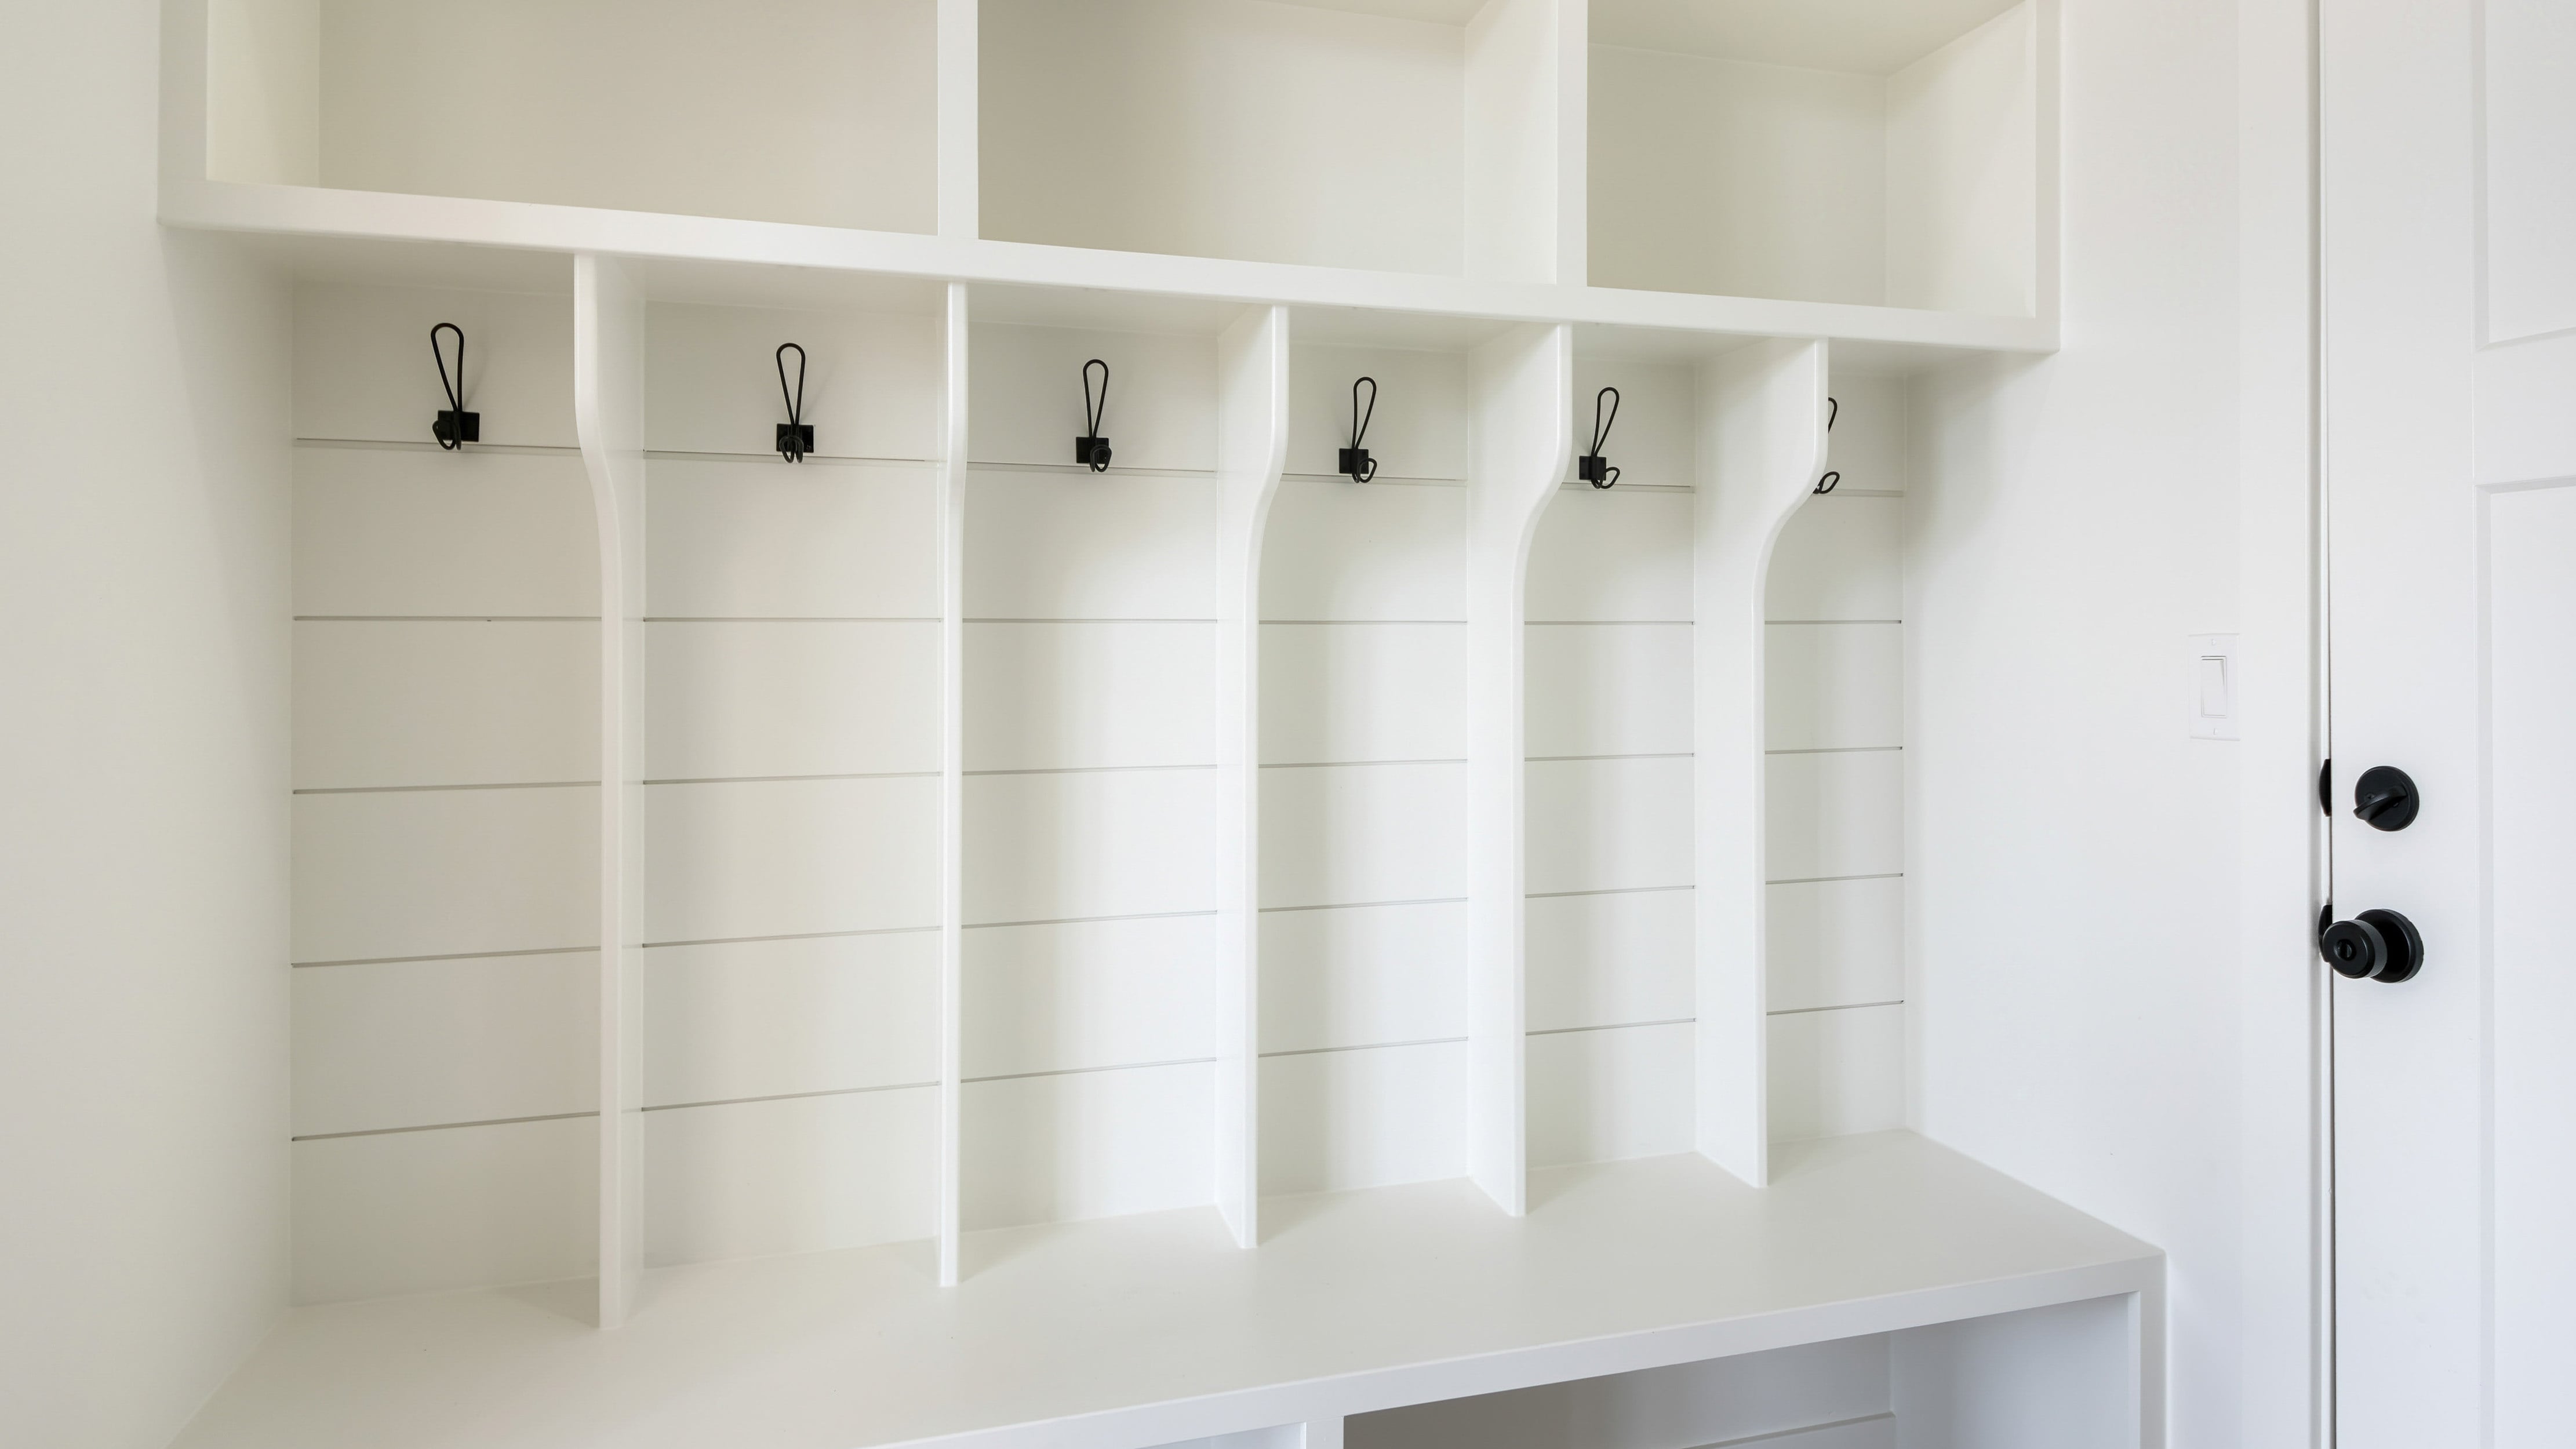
(2449, 187)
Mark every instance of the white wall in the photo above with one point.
(143, 540)
(2075, 857)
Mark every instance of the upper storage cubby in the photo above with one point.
(1882, 152)
(814, 111)
(1394, 135)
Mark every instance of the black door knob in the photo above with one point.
(2384, 798)
(2373, 946)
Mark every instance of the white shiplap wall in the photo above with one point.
(446, 754)
(1835, 733)
(446, 762)
(1363, 788)
(1090, 904)
(790, 984)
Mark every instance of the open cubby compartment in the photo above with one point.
(447, 771)
(1608, 704)
(2059, 1377)
(770, 1023)
(1365, 965)
(1680, 821)
(1394, 135)
(1834, 757)
(821, 112)
(791, 973)
(1885, 152)
(1103, 936)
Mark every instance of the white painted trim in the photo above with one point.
(608, 411)
(1524, 444)
(1252, 452)
(1762, 442)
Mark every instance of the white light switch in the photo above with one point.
(2213, 686)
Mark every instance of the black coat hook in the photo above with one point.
(1357, 465)
(795, 436)
(1593, 468)
(455, 426)
(1833, 410)
(1091, 448)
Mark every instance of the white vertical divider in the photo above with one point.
(1252, 451)
(608, 415)
(1524, 443)
(1528, 69)
(1761, 447)
(952, 787)
(959, 141)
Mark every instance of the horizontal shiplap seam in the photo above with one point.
(1605, 891)
(405, 445)
(1085, 920)
(1078, 619)
(1830, 879)
(1366, 1046)
(1366, 623)
(792, 619)
(1842, 750)
(1090, 770)
(1353, 764)
(1611, 1026)
(793, 936)
(1837, 1006)
(580, 1116)
(446, 956)
(1609, 623)
(1090, 1071)
(1382, 480)
(789, 1096)
(443, 1126)
(1831, 622)
(446, 618)
(1366, 905)
(1580, 759)
(1083, 470)
(841, 460)
(794, 779)
(1577, 485)
(439, 789)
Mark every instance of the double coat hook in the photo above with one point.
(1091, 449)
(455, 426)
(1357, 465)
(1592, 467)
(795, 436)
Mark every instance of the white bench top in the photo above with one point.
(1143, 1330)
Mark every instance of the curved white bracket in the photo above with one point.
(1524, 444)
(608, 415)
(1762, 442)
(1252, 451)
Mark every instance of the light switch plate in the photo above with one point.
(2214, 687)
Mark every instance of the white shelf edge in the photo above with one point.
(1618, 1267)
(382, 216)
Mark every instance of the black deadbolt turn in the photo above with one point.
(2374, 946)
(2384, 798)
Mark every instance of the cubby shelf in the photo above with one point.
(253, 140)
(861, 913)
(1151, 1329)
